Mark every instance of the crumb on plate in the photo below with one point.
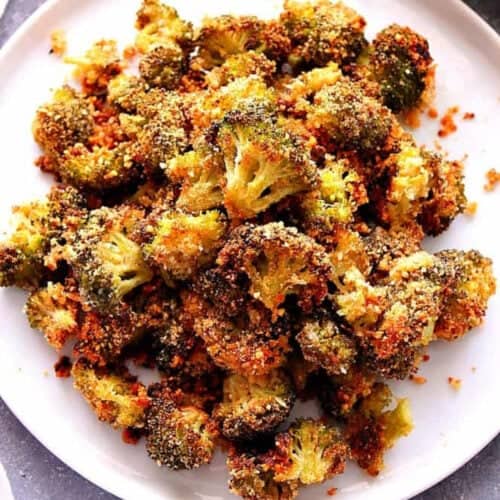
(455, 383)
(471, 208)
(62, 367)
(492, 178)
(448, 125)
(58, 43)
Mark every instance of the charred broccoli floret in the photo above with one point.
(279, 262)
(64, 122)
(322, 343)
(199, 174)
(343, 115)
(322, 32)
(466, 306)
(160, 25)
(107, 263)
(401, 63)
(371, 431)
(252, 478)
(54, 311)
(263, 163)
(178, 436)
(114, 395)
(179, 244)
(163, 66)
(309, 452)
(254, 406)
(126, 92)
(249, 343)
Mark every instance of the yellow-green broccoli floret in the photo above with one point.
(178, 436)
(115, 396)
(322, 32)
(279, 262)
(372, 430)
(107, 263)
(254, 406)
(264, 163)
(200, 175)
(465, 307)
(179, 244)
(310, 452)
(160, 25)
(126, 92)
(54, 311)
(163, 66)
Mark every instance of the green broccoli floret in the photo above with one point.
(180, 244)
(163, 66)
(115, 396)
(264, 163)
(107, 263)
(400, 62)
(322, 32)
(178, 436)
(254, 406)
(322, 343)
(127, 92)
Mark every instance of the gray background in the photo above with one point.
(35, 474)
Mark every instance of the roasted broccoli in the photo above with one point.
(249, 343)
(200, 175)
(107, 263)
(163, 66)
(279, 262)
(465, 307)
(309, 452)
(399, 60)
(263, 162)
(371, 431)
(114, 395)
(179, 244)
(178, 436)
(54, 311)
(126, 92)
(254, 406)
(323, 32)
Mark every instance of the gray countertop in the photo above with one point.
(36, 474)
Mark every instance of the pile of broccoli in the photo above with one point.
(247, 216)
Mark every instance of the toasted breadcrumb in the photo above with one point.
(432, 113)
(418, 379)
(425, 358)
(448, 125)
(331, 492)
(468, 116)
(471, 208)
(492, 178)
(62, 367)
(455, 383)
(131, 435)
(58, 43)
(129, 52)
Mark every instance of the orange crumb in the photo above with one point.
(58, 43)
(331, 492)
(130, 436)
(432, 113)
(469, 116)
(448, 125)
(418, 379)
(412, 118)
(493, 178)
(455, 383)
(438, 146)
(129, 52)
(425, 358)
(62, 367)
(471, 208)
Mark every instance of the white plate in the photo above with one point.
(450, 426)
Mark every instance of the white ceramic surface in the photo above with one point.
(451, 426)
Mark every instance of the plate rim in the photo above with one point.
(62, 452)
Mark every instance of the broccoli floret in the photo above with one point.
(199, 174)
(252, 478)
(323, 32)
(279, 262)
(343, 115)
(254, 406)
(107, 263)
(264, 163)
(126, 92)
(97, 67)
(241, 66)
(310, 452)
(64, 122)
(322, 343)
(163, 66)
(180, 244)
(249, 344)
(466, 305)
(178, 436)
(54, 311)
(301, 372)
(371, 431)
(114, 395)
(22, 253)
(401, 63)
(160, 25)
